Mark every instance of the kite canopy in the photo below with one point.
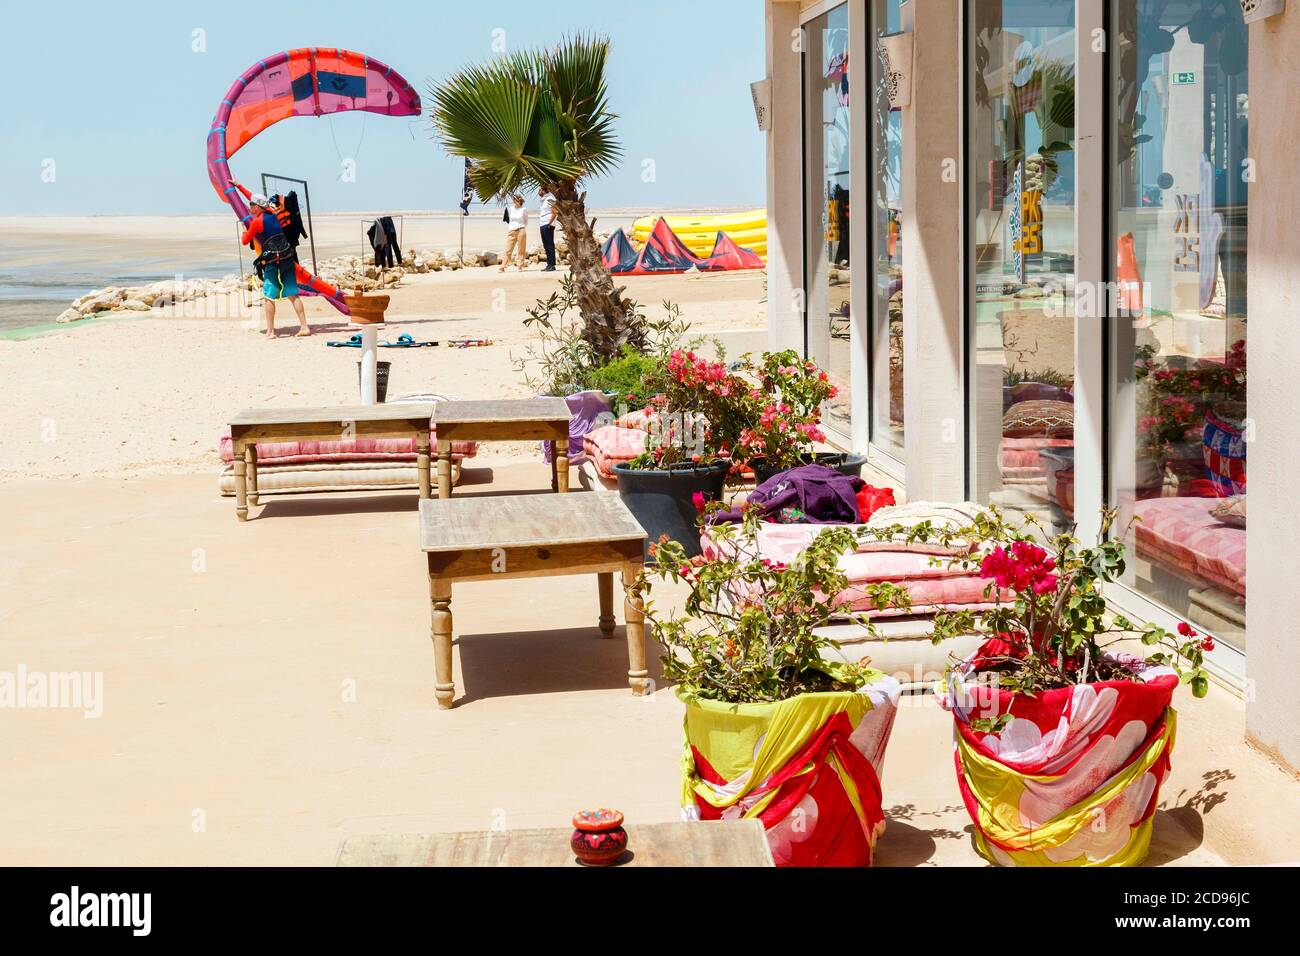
(727, 255)
(618, 253)
(311, 81)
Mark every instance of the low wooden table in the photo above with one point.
(711, 843)
(526, 419)
(344, 422)
(524, 536)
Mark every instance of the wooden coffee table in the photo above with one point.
(526, 419)
(341, 423)
(710, 843)
(524, 536)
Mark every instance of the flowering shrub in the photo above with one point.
(699, 409)
(1176, 399)
(746, 631)
(1055, 631)
(790, 396)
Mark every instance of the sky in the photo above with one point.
(117, 100)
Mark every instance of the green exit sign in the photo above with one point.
(1187, 78)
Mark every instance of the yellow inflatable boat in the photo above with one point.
(747, 229)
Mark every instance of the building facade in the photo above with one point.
(1048, 250)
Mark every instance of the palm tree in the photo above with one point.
(535, 119)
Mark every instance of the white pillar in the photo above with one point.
(1091, 309)
(1273, 350)
(785, 282)
(934, 257)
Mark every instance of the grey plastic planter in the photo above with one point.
(662, 500)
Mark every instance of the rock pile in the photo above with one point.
(346, 272)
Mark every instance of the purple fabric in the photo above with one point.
(587, 408)
(823, 494)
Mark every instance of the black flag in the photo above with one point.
(467, 190)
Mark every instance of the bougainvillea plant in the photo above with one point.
(698, 411)
(1177, 398)
(1051, 627)
(746, 631)
(789, 397)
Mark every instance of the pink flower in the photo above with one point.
(697, 499)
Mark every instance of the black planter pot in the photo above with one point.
(846, 463)
(662, 500)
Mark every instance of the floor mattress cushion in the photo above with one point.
(329, 476)
(609, 445)
(931, 583)
(1184, 533)
(1022, 458)
(343, 450)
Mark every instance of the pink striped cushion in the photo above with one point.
(1183, 532)
(610, 444)
(355, 449)
(1022, 457)
(931, 584)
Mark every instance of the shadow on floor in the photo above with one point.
(1174, 834)
(546, 662)
(912, 835)
(285, 506)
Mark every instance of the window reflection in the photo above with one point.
(1179, 425)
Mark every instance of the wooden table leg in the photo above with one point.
(637, 675)
(555, 465)
(241, 486)
(605, 583)
(250, 459)
(422, 462)
(444, 688)
(561, 459)
(444, 469)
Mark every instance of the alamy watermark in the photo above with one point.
(24, 689)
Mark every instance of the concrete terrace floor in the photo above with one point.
(268, 691)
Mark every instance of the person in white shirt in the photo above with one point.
(516, 233)
(546, 219)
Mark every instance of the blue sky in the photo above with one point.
(115, 95)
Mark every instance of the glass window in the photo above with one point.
(1021, 162)
(1178, 426)
(887, 309)
(827, 151)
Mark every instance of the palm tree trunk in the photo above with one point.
(607, 325)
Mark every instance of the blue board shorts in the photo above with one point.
(279, 281)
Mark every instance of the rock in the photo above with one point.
(491, 259)
(71, 315)
(134, 305)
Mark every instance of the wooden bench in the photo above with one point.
(342, 423)
(522, 536)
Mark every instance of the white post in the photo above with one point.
(369, 364)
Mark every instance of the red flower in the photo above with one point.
(1026, 567)
(1186, 629)
(1207, 645)
(697, 499)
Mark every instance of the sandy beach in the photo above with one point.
(127, 396)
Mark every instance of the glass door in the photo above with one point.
(886, 176)
(1179, 430)
(827, 161)
(1022, 248)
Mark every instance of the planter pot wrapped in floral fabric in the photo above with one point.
(807, 767)
(1073, 777)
